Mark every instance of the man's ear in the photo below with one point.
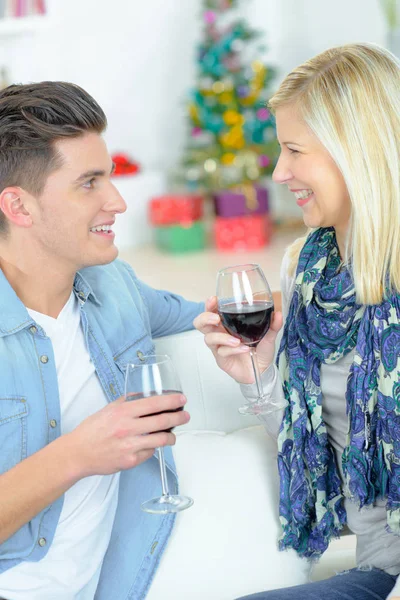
(14, 202)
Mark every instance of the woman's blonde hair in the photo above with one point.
(350, 97)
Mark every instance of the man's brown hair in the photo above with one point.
(32, 118)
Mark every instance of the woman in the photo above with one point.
(338, 124)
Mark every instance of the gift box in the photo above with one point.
(181, 238)
(242, 233)
(175, 209)
(246, 200)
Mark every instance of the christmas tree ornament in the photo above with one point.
(231, 144)
(227, 112)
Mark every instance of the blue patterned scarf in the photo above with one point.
(324, 324)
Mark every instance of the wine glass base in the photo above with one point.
(261, 408)
(167, 504)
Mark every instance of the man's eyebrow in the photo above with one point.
(94, 173)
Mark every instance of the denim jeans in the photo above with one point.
(356, 584)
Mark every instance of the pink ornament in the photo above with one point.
(263, 114)
(264, 160)
(196, 131)
(210, 17)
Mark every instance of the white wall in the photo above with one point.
(137, 59)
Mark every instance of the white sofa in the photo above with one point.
(225, 546)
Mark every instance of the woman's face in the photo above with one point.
(310, 172)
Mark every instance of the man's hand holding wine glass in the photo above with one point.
(230, 354)
(124, 434)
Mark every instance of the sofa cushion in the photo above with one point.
(225, 546)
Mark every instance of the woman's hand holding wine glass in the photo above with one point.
(243, 338)
(230, 354)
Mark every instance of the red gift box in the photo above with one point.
(242, 233)
(175, 209)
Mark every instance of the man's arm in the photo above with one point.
(119, 436)
(169, 313)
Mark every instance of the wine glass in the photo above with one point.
(245, 305)
(155, 375)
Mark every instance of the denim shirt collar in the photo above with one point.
(83, 289)
(13, 314)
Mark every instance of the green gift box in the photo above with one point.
(181, 238)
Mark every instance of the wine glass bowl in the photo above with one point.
(246, 306)
(245, 302)
(155, 375)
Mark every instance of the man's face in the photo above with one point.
(78, 197)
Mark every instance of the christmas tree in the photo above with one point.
(232, 139)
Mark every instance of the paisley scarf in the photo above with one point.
(324, 324)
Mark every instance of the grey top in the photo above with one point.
(375, 546)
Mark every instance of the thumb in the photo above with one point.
(212, 304)
(277, 322)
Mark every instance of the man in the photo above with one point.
(74, 461)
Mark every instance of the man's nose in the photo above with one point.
(115, 202)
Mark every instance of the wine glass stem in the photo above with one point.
(163, 471)
(257, 374)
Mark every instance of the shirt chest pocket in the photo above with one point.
(13, 431)
(134, 352)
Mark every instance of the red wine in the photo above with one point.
(247, 322)
(140, 395)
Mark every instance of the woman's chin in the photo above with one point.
(312, 221)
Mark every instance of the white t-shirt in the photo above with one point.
(71, 568)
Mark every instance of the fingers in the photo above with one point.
(161, 422)
(153, 404)
(224, 344)
(157, 440)
(143, 455)
(277, 322)
(221, 339)
(212, 304)
(209, 319)
(226, 352)
(207, 322)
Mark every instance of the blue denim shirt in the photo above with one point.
(120, 315)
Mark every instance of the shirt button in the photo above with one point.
(140, 355)
(33, 329)
(82, 296)
(154, 546)
(42, 542)
(44, 359)
(53, 423)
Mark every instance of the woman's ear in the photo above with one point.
(14, 203)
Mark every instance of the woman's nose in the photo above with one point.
(281, 173)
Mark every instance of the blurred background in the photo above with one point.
(184, 84)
